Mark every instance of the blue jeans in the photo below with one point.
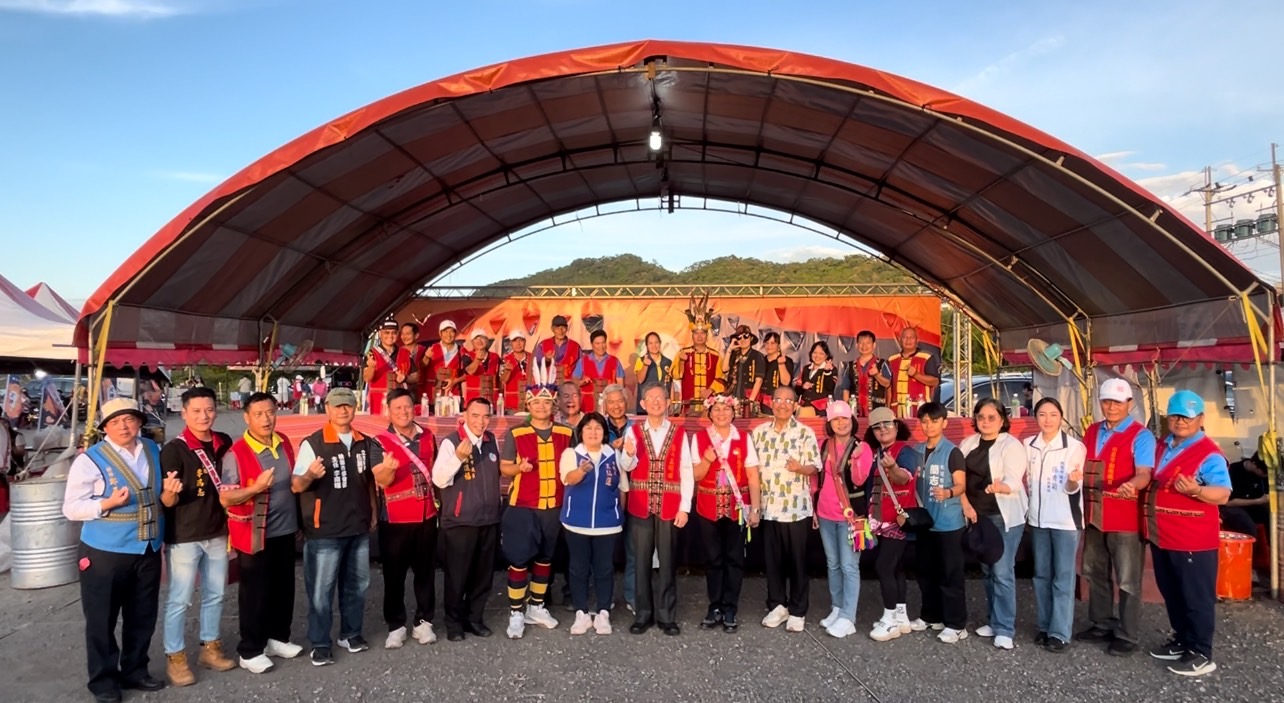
(208, 560)
(844, 567)
(1000, 580)
(342, 563)
(1054, 555)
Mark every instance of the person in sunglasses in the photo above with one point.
(896, 459)
(745, 369)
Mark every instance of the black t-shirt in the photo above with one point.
(771, 378)
(1245, 485)
(198, 515)
(977, 472)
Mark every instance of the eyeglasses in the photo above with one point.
(1181, 418)
(883, 426)
(988, 418)
(782, 401)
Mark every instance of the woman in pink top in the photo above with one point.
(842, 510)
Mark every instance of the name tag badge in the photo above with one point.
(492, 456)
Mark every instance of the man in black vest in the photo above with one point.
(332, 475)
(467, 472)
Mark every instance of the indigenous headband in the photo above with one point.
(730, 400)
(541, 384)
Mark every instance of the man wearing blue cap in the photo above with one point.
(1182, 525)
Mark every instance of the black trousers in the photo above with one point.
(118, 586)
(410, 547)
(653, 534)
(940, 578)
(468, 570)
(890, 567)
(1188, 583)
(724, 569)
(784, 546)
(591, 556)
(265, 595)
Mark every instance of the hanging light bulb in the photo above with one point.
(656, 140)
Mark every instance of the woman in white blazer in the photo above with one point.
(1055, 518)
(994, 467)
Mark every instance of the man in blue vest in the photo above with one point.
(115, 488)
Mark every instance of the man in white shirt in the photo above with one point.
(112, 490)
(657, 459)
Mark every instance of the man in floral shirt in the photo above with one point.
(788, 456)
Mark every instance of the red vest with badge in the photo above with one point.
(655, 483)
(540, 488)
(441, 371)
(884, 510)
(597, 381)
(247, 522)
(1103, 473)
(714, 492)
(1175, 520)
(409, 498)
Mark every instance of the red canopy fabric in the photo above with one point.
(339, 227)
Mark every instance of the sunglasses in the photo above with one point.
(1180, 418)
(743, 336)
(884, 426)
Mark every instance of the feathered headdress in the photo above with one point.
(541, 381)
(699, 313)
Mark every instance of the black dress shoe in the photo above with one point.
(478, 628)
(1040, 639)
(1121, 648)
(144, 683)
(1055, 644)
(640, 628)
(1095, 634)
(107, 697)
(455, 636)
(671, 629)
(729, 623)
(712, 620)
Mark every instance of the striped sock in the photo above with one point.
(517, 580)
(541, 575)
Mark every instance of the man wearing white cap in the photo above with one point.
(513, 372)
(481, 369)
(382, 373)
(115, 490)
(1121, 452)
(444, 369)
(1183, 528)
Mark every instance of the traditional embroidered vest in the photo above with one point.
(138, 524)
(564, 362)
(542, 487)
(905, 393)
(411, 360)
(1102, 475)
(655, 483)
(714, 499)
(409, 498)
(594, 503)
(1174, 520)
(515, 388)
(597, 381)
(882, 507)
(247, 522)
(696, 372)
(771, 378)
(865, 393)
(483, 383)
(441, 371)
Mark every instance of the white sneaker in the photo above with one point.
(985, 631)
(830, 619)
(936, 626)
(423, 633)
(776, 617)
(256, 665)
(885, 630)
(951, 636)
(282, 650)
(602, 623)
(539, 615)
(903, 623)
(794, 624)
(516, 625)
(1003, 642)
(842, 627)
(396, 638)
(917, 625)
(582, 623)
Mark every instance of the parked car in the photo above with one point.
(1004, 387)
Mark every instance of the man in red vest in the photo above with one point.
(914, 376)
(481, 369)
(867, 378)
(1120, 454)
(445, 371)
(382, 373)
(657, 457)
(412, 357)
(564, 352)
(514, 371)
(595, 371)
(408, 525)
(696, 368)
(1183, 528)
(262, 519)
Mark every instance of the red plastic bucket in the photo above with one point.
(1235, 566)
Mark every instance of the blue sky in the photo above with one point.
(120, 113)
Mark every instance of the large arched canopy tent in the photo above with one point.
(326, 235)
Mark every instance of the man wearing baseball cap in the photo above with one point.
(1183, 526)
(564, 351)
(1121, 452)
(514, 369)
(481, 369)
(115, 490)
(382, 373)
(445, 371)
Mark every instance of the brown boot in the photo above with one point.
(178, 671)
(212, 657)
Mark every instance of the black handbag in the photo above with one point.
(916, 519)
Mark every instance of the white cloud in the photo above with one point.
(1113, 157)
(807, 253)
(1008, 63)
(140, 9)
(189, 176)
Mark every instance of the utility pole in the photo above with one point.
(1208, 192)
(1279, 211)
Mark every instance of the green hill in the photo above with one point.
(631, 269)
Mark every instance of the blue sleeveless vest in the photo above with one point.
(132, 527)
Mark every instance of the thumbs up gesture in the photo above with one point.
(172, 484)
(630, 446)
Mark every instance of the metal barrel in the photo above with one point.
(45, 544)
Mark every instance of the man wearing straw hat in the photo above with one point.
(112, 488)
